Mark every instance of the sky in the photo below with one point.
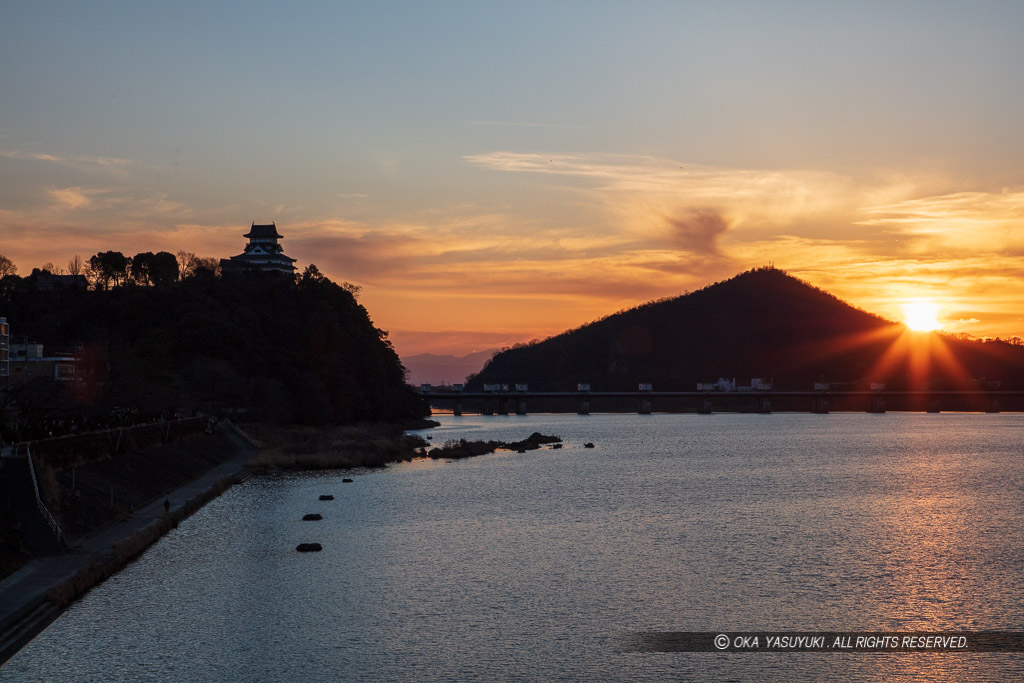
(490, 173)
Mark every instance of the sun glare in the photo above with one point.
(921, 316)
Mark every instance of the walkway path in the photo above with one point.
(24, 610)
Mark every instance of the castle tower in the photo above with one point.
(262, 253)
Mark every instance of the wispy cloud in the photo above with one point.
(955, 221)
(631, 228)
(130, 208)
(82, 162)
(875, 241)
(648, 194)
(72, 197)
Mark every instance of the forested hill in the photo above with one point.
(763, 323)
(302, 352)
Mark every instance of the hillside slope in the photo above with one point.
(302, 352)
(762, 323)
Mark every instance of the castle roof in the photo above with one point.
(259, 231)
(263, 257)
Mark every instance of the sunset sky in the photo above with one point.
(496, 172)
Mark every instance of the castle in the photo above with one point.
(262, 253)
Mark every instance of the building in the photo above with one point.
(5, 360)
(756, 384)
(28, 360)
(262, 254)
(45, 281)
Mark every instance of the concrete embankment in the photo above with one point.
(35, 595)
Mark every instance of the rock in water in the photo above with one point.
(312, 517)
(326, 497)
(309, 547)
(346, 481)
(588, 445)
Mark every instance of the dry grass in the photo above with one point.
(312, 448)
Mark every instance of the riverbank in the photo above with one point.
(367, 445)
(35, 595)
(343, 447)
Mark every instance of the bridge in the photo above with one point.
(706, 402)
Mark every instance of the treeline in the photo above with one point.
(108, 269)
(763, 323)
(302, 351)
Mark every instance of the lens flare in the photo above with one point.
(921, 316)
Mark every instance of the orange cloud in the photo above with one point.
(72, 197)
(630, 229)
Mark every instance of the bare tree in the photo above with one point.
(75, 265)
(7, 266)
(186, 264)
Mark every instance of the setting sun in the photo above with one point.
(921, 316)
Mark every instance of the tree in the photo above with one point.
(311, 274)
(186, 264)
(75, 265)
(108, 268)
(208, 264)
(163, 269)
(7, 266)
(159, 269)
(140, 267)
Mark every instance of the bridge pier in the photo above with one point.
(457, 410)
(934, 406)
(877, 405)
(643, 406)
(704, 406)
(486, 408)
(764, 405)
(521, 406)
(821, 405)
(502, 406)
(584, 406)
(993, 405)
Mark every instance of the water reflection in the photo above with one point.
(531, 565)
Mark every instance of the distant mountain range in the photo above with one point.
(763, 323)
(430, 368)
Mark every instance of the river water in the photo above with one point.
(533, 566)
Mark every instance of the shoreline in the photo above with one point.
(34, 596)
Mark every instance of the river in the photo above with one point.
(534, 566)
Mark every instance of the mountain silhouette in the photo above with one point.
(430, 368)
(763, 323)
